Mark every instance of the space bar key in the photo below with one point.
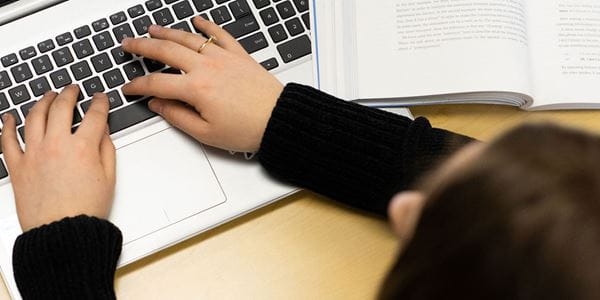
(129, 116)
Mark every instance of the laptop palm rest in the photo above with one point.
(160, 185)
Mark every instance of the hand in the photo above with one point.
(61, 174)
(224, 99)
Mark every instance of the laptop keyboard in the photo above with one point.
(91, 57)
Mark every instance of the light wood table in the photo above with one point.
(305, 246)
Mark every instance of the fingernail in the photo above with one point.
(201, 18)
(125, 41)
(155, 106)
(154, 28)
(5, 117)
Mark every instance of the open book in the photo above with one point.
(535, 54)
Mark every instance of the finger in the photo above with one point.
(93, 125)
(36, 119)
(108, 156)
(10, 145)
(159, 85)
(224, 39)
(165, 51)
(192, 41)
(60, 113)
(182, 117)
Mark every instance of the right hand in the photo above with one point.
(224, 99)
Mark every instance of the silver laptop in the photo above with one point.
(169, 187)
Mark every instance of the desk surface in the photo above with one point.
(304, 247)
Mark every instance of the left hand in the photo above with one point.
(61, 174)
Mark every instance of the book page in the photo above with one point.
(430, 47)
(565, 51)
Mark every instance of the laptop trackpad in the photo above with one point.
(162, 179)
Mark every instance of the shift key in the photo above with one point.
(295, 49)
(129, 116)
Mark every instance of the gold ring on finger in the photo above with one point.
(210, 40)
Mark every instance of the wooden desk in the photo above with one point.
(304, 247)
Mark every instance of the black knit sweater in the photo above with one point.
(353, 154)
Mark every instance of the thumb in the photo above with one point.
(181, 116)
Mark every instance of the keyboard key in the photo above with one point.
(100, 25)
(141, 25)
(16, 115)
(3, 171)
(118, 18)
(220, 15)
(286, 10)
(81, 70)
(103, 41)
(113, 78)
(114, 101)
(136, 11)
(242, 26)
(64, 39)
(21, 72)
(254, 42)
(133, 70)
(129, 116)
(19, 94)
(83, 48)
(5, 81)
(45, 46)
(76, 116)
(39, 86)
(27, 53)
(269, 16)
(25, 108)
(153, 4)
(183, 25)
(278, 33)
(306, 20)
(3, 105)
(239, 8)
(93, 85)
(9, 60)
(101, 62)
(202, 5)
(60, 78)
(62, 56)
(261, 3)
(122, 31)
(183, 9)
(294, 26)
(42, 65)
(163, 17)
(172, 71)
(153, 65)
(21, 131)
(82, 31)
(295, 49)
(301, 5)
(120, 56)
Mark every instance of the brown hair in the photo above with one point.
(521, 222)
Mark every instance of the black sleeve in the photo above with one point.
(357, 155)
(74, 258)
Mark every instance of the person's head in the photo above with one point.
(516, 219)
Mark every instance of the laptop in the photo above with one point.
(169, 187)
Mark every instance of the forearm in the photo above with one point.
(354, 154)
(74, 258)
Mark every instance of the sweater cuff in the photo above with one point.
(339, 149)
(75, 258)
